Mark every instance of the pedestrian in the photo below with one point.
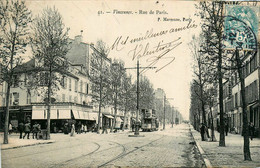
(226, 129)
(35, 130)
(10, 130)
(21, 129)
(85, 128)
(207, 131)
(66, 128)
(133, 126)
(251, 130)
(72, 132)
(82, 128)
(202, 132)
(78, 128)
(27, 129)
(104, 128)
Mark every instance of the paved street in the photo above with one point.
(169, 148)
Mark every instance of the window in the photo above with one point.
(64, 82)
(76, 85)
(69, 84)
(28, 100)
(86, 85)
(70, 98)
(16, 98)
(81, 86)
(236, 100)
(81, 98)
(3, 101)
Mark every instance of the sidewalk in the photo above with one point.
(229, 156)
(15, 142)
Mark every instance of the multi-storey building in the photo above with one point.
(251, 74)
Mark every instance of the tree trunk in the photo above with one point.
(220, 82)
(124, 115)
(245, 131)
(9, 84)
(222, 131)
(115, 106)
(100, 95)
(49, 107)
(213, 138)
(6, 128)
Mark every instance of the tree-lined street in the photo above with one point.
(168, 148)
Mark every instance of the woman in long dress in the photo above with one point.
(72, 133)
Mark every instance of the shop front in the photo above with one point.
(17, 114)
(63, 114)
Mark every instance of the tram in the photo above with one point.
(149, 121)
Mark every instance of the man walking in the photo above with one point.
(27, 129)
(251, 130)
(35, 130)
(104, 128)
(21, 129)
(202, 132)
(226, 128)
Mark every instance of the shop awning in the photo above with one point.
(38, 114)
(93, 116)
(64, 114)
(109, 116)
(53, 114)
(76, 114)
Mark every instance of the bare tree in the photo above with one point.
(14, 21)
(50, 46)
(127, 96)
(212, 28)
(115, 91)
(99, 76)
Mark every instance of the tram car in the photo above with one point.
(149, 121)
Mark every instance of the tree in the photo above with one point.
(195, 106)
(212, 28)
(14, 22)
(128, 98)
(50, 46)
(146, 94)
(115, 91)
(200, 73)
(99, 76)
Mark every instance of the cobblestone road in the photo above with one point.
(168, 148)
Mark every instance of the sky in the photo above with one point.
(156, 33)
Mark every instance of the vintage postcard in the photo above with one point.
(149, 83)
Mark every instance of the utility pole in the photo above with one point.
(136, 134)
(137, 103)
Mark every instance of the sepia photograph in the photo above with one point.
(130, 83)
